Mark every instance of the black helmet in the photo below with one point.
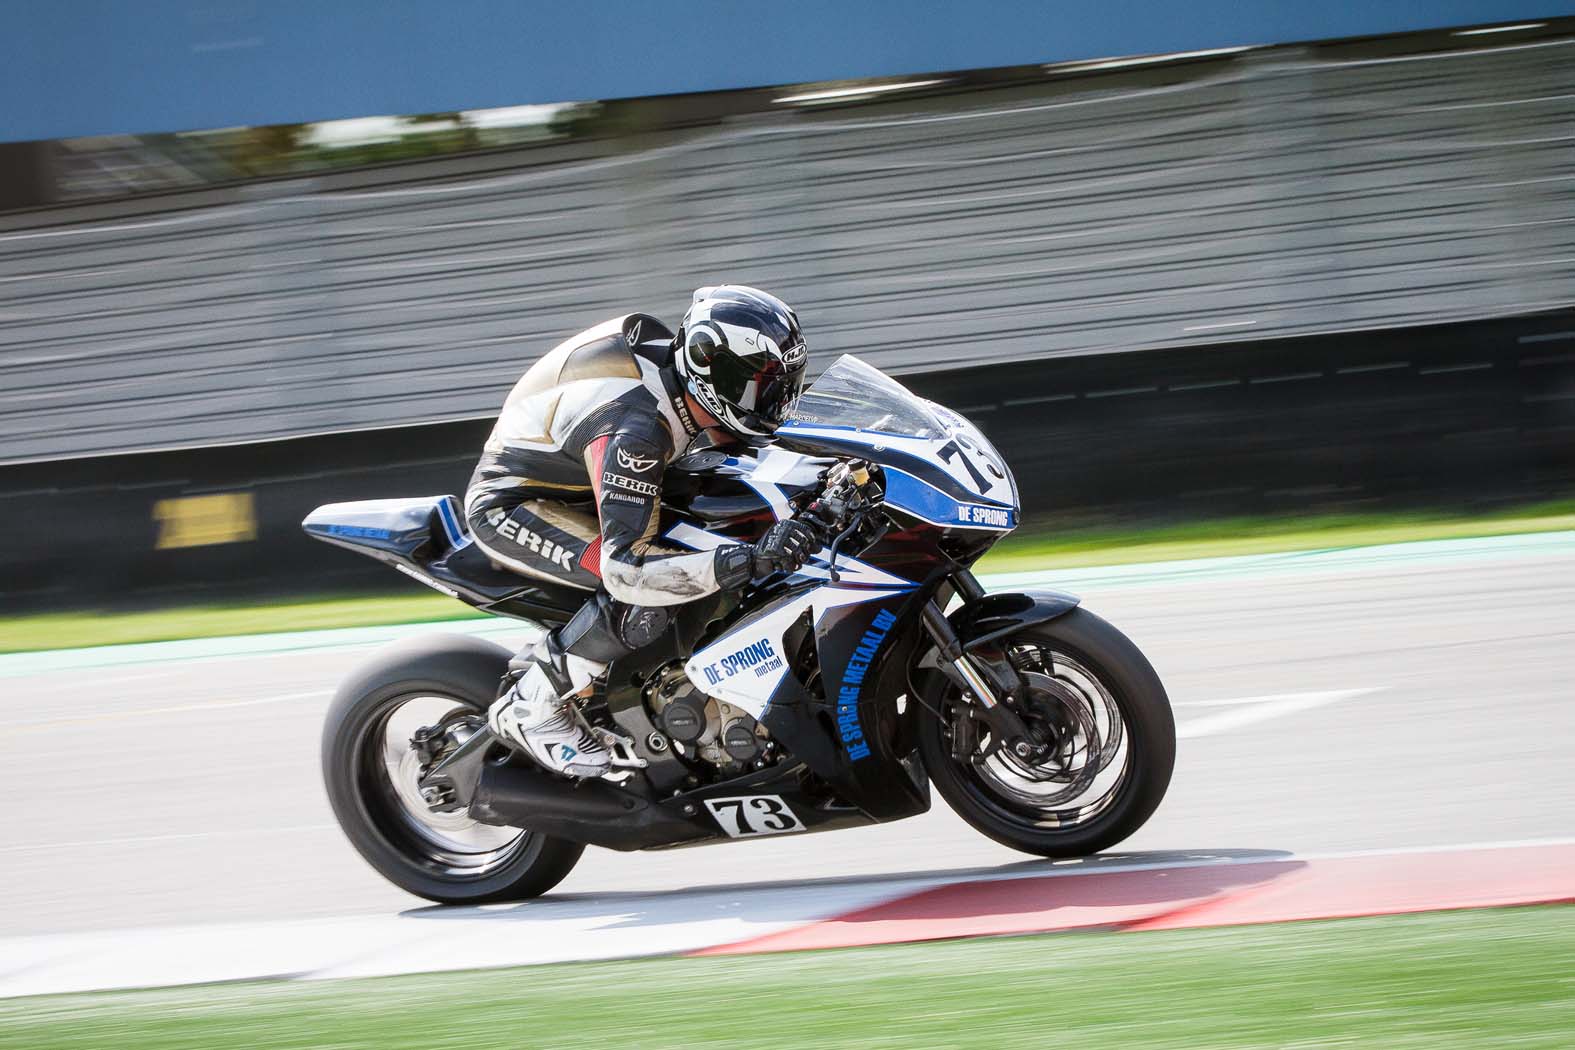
(742, 355)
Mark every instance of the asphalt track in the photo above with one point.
(1409, 696)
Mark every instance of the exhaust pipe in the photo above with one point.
(592, 812)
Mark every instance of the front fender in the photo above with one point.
(995, 616)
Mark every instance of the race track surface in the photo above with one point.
(1406, 696)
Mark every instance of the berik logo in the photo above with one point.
(685, 417)
(638, 464)
(644, 488)
(509, 529)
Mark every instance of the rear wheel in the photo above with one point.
(1110, 744)
(441, 684)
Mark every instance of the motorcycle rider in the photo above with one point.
(569, 488)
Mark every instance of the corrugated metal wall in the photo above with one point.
(1276, 194)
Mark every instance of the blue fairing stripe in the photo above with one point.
(457, 537)
(917, 466)
(923, 500)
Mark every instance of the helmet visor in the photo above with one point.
(767, 393)
(776, 394)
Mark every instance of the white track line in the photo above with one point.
(1251, 709)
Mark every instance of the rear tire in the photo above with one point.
(1149, 731)
(459, 674)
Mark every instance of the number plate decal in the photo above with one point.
(750, 816)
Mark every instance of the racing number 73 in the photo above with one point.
(748, 815)
(952, 448)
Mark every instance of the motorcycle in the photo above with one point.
(830, 698)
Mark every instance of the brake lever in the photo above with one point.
(831, 559)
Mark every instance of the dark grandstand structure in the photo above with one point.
(1309, 260)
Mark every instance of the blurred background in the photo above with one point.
(1217, 278)
(1180, 264)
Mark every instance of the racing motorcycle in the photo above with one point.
(830, 698)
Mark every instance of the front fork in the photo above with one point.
(984, 683)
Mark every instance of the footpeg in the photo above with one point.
(621, 748)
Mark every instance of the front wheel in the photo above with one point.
(442, 684)
(1110, 744)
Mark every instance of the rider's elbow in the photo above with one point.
(622, 582)
(666, 582)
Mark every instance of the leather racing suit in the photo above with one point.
(569, 485)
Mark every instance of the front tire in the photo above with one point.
(369, 772)
(1108, 704)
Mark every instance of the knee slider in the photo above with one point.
(640, 625)
(605, 629)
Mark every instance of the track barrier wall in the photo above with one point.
(1240, 199)
(1461, 416)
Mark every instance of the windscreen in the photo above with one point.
(853, 394)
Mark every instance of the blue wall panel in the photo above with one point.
(89, 67)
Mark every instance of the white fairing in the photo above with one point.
(744, 666)
(774, 465)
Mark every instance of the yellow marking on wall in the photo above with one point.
(200, 521)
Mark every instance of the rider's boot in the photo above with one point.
(536, 713)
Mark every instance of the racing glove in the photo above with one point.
(785, 547)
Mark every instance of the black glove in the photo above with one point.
(785, 547)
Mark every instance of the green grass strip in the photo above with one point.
(1035, 547)
(1499, 978)
(73, 630)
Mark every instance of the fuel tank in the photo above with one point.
(738, 492)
